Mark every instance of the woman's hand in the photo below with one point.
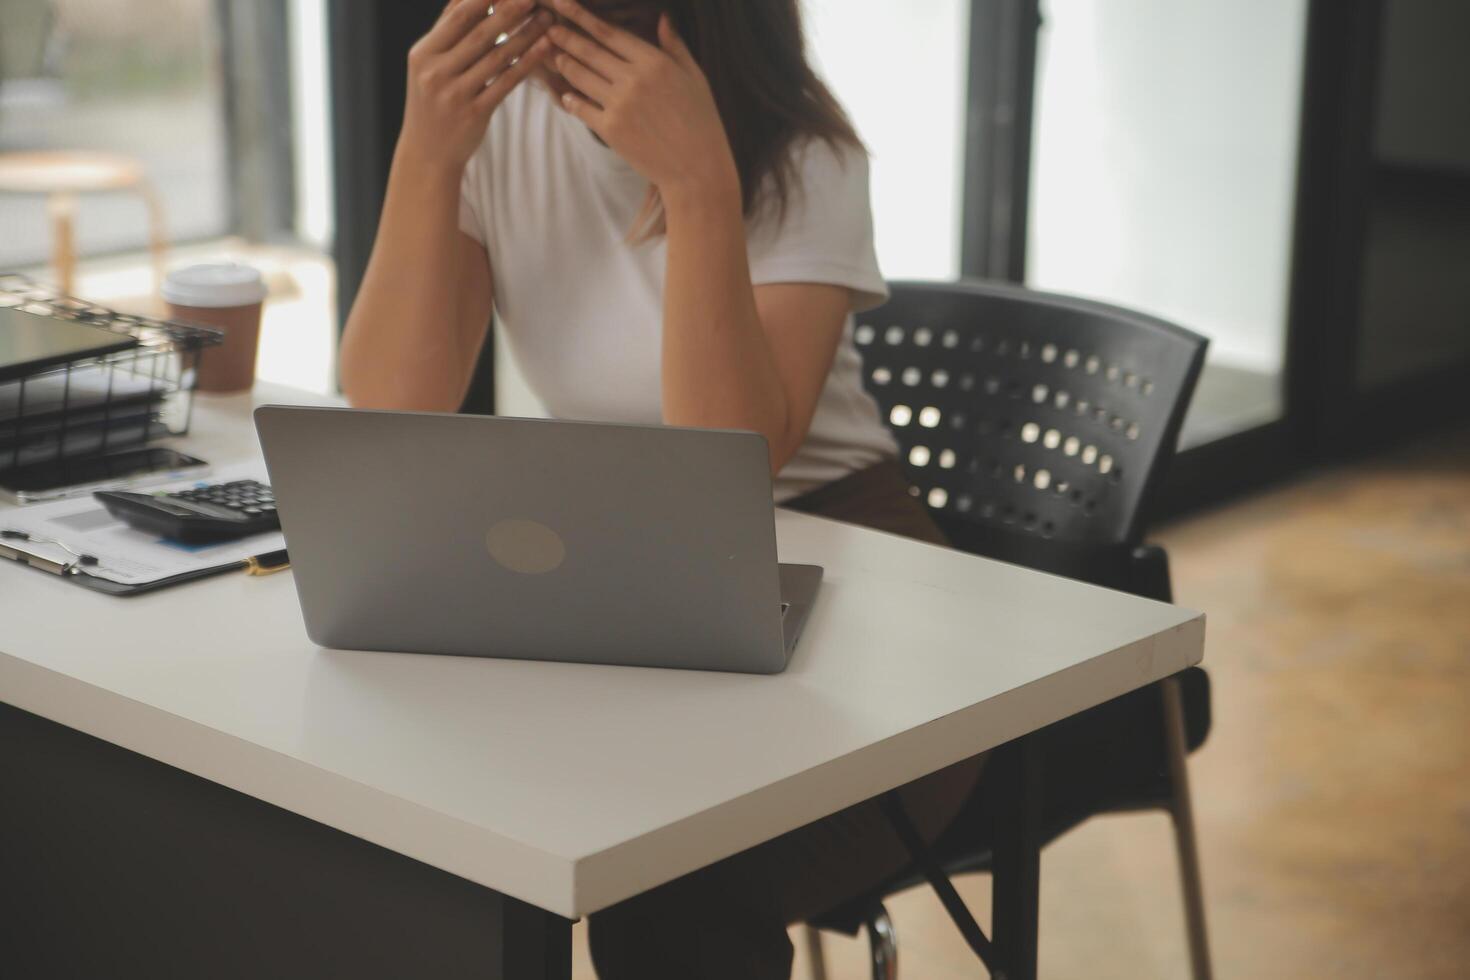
(651, 104)
(458, 75)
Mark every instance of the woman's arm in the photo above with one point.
(420, 316)
(423, 308)
(733, 356)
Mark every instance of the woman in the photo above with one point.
(669, 213)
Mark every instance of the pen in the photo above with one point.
(268, 563)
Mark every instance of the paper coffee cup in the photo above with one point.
(229, 297)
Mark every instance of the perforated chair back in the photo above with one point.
(1030, 423)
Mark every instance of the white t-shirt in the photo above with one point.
(582, 308)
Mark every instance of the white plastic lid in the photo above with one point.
(215, 285)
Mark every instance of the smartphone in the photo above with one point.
(77, 477)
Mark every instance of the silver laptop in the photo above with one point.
(496, 537)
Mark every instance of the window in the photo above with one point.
(902, 78)
(221, 106)
(138, 79)
(1165, 153)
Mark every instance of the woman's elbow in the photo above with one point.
(360, 388)
(783, 450)
(357, 386)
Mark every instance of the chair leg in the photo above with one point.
(883, 940)
(815, 955)
(157, 235)
(1184, 836)
(1016, 884)
(63, 211)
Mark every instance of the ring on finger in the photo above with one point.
(507, 67)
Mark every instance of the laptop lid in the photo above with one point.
(480, 536)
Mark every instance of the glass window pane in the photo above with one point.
(138, 79)
(1165, 154)
(1417, 239)
(221, 105)
(902, 79)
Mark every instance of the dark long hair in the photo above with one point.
(754, 54)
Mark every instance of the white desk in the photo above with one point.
(572, 787)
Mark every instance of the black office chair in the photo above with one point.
(1037, 428)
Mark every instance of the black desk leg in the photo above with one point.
(534, 944)
(114, 865)
(1017, 883)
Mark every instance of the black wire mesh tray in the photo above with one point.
(132, 392)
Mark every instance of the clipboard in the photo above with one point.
(78, 540)
(256, 565)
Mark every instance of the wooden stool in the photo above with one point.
(62, 177)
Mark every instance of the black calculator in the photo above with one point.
(208, 513)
